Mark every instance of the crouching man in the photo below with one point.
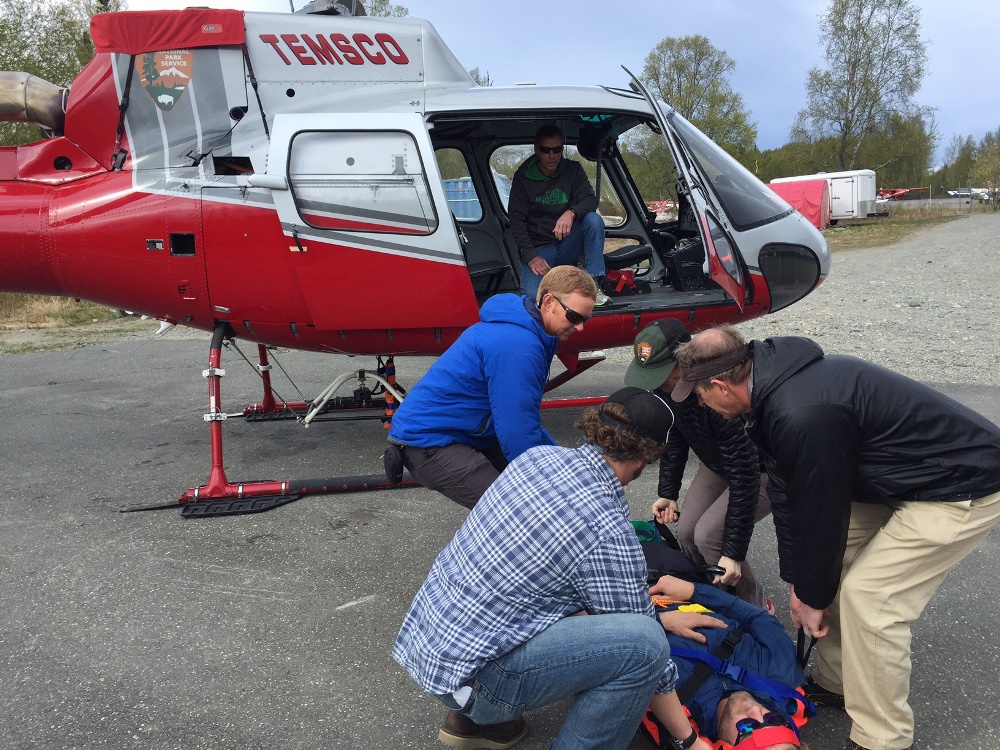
(491, 633)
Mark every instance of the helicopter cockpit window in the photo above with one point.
(506, 159)
(361, 181)
(746, 200)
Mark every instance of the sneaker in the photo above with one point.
(821, 696)
(462, 732)
(602, 299)
(852, 745)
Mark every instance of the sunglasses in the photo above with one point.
(572, 315)
(549, 149)
(746, 727)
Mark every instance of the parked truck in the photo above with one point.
(852, 193)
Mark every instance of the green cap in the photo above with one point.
(653, 353)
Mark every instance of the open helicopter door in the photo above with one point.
(372, 240)
(723, 261)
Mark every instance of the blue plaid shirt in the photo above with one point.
(551, 537)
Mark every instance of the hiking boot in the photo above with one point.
(393, 462)
(462, 732)
(821, 696)
(852, 745)
(602, 299)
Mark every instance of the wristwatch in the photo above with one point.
(687, 742)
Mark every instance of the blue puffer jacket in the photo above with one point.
(765, 649)
(486, 387)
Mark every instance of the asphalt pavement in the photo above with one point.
(150, 630)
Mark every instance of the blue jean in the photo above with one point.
(611, 663)
(585, 240)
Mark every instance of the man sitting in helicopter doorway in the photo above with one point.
(553, 215)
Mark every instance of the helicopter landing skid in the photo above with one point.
(220, 497)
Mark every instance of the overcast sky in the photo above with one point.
(773, 43)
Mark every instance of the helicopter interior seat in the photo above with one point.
(628, 256)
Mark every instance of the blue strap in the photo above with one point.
(775, 689)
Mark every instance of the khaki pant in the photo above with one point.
(896, 557)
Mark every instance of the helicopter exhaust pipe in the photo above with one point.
(27, 98)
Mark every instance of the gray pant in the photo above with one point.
(702, 524)
(457, 471)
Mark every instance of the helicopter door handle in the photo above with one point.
(274, 182)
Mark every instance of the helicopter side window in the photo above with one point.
(463, 200)
(360, 181)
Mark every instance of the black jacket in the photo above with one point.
(723, 446)
(836, 429)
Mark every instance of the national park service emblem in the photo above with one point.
(643, 351)
(166, 75)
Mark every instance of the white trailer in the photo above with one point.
(852, 193)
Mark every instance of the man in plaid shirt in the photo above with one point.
(491, 633)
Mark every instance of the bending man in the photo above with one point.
(880, 486)
(728, 495)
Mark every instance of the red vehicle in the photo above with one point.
(895, 194)
(281, 178)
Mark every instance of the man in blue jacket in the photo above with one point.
(479, 406)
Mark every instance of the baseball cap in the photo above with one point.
(649, 415)
(707, 369)
(653, 353)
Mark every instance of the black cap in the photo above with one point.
(708, 369)
(649, 415)
(653, 353)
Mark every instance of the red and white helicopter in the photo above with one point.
(238, 172)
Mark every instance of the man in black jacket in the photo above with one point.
(728, 495)
(879, 484)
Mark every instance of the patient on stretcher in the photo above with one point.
(737, 677)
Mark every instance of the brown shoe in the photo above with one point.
(462, 732)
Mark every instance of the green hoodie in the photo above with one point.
(537, 202)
